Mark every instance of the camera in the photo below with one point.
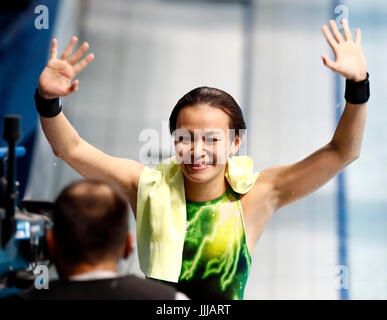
(23, 224)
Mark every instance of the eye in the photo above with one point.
(211, 139)
(184, 139)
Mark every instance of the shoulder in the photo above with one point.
(122, 288)
(151, 175)
(262, 185)
(147, 288)
(260, 197)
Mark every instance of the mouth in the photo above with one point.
(197, 167)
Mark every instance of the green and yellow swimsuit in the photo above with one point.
(216, 260)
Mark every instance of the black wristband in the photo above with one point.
(357, 92)
(47, 108)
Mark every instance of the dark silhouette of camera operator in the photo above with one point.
(89, 237)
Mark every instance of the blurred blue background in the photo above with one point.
(267, 55)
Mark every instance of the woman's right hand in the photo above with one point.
(55, 79)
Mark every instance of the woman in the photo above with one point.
(204, 115)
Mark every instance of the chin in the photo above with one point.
(199, 174)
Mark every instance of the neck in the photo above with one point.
(81, 268)
(205, 191)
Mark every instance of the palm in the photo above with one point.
(350, 61)
(55, 80)
(56, 77)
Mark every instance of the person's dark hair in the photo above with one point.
(90, 221)
(215, 98)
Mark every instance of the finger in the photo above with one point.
(358, 36)
(347, 31)
(329, 63)
(69, 48)
(73, 87)
(335, 31)
(332, 42)
(53, 49)
(84, 62)
(77, 55)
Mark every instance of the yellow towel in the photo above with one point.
(161, 213)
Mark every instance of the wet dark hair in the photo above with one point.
(215, 98)
(92, 224)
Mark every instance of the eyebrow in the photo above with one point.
(206, 132)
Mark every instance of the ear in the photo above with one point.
(128, 245)
(50, 243)
(235, 145)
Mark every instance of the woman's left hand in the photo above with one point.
(350, 61)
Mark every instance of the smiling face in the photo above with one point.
(203, 142)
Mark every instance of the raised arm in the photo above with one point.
(289, 183)
(56, 81)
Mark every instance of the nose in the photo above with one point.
(198, 151)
